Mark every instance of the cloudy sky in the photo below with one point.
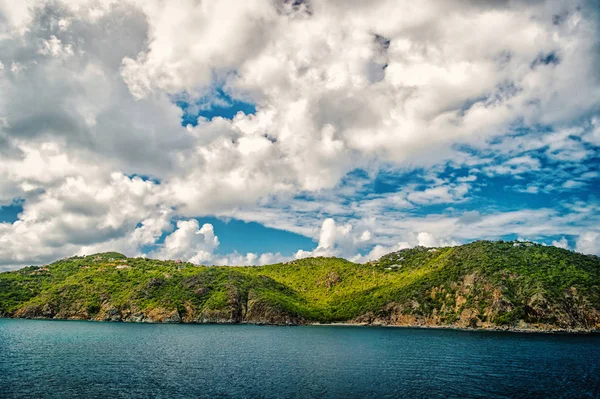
(249, 132)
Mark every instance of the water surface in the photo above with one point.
(61, 359)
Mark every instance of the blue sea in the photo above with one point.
(71, 359)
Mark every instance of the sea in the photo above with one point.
(80, 359)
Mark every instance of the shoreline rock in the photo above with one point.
(206, 321)
(488, 286)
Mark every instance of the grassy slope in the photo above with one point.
(479, 284)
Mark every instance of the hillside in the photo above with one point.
(484, 284)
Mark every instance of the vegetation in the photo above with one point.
(483, 284)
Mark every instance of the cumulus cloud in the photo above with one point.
(91, 141)
(338, 240)
(588, 243)
(189, 241)
(77, 214)
(345, 241)
(379, 250)
(562, 243)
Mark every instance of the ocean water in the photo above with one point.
(62, 359)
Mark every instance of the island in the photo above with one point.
(492, 285)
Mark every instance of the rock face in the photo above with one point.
(242, 307)
(483, 285)
(475, 303)
(46, 311)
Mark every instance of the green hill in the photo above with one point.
(484, 284)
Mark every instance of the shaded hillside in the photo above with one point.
(479, 285)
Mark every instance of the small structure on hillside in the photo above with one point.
(40, 270)
(522, 244)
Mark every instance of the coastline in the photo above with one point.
(458, 328)
(342, 324)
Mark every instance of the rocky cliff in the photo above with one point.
(483, 285)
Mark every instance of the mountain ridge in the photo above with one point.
(482, 285)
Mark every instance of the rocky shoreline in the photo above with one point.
(509, 329)
(458, 328)
(487, 286)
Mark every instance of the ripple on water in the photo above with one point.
(84, 359)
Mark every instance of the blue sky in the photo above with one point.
(296, 129)
(489, 193)
(243, 237)
(217, 104)
(9, 213)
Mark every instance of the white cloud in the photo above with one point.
(55, 48)
(562, 243)
(573, 184)
(379, 250)
(439, 194)
(588, 243)
(189, 241)
(86, 100)
(344, 241)
(515, 166)
(250, 259)
(426, 239)
(79, 215)
(338, 240)
(192, 243)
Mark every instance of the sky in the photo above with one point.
(244, 133)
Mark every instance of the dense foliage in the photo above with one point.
(482, 284)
